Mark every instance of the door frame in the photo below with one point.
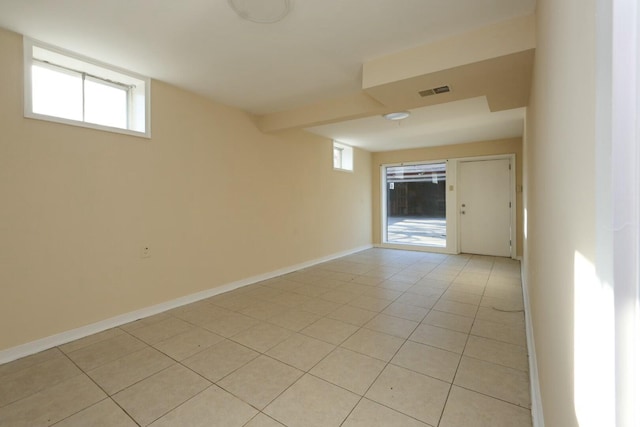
(453, 204)
(512, 196)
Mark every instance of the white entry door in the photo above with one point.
(485, 207)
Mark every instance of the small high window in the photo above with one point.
(64, 87)
(342, 157)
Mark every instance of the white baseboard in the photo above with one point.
(64, 337)
(537, 415)
(414, 248)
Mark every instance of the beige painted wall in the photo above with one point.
(499, 39)
(560, 197)
(216, 200)
(486, 148)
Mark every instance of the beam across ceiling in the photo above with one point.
(494, 61)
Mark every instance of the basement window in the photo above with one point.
(64, 87)
(342, 157)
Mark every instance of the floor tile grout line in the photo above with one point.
(12, 372)
(264, 414)
(378, 376)
(226, 375)
(176, 362)
(476, 318)
(63, 355)
(492, 397)
(147, 345)
(308, 372)
(181, 403)
(387, 363)
(59, 347)
(242, 399)
(463, 355)
(469, 335)
(497, 340)
(446, 400)
(94, 404)
(325, 316)
(371, 385)
(215, 383)
(493, 362)
(386, 406)
(273, 358)
(364, 290)
(108, 396)
(124, 332)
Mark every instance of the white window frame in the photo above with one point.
(346, 157)
(620, 44)
(616, 389)
(451, 246)
(139, 97)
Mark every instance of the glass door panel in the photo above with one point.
(416, 204)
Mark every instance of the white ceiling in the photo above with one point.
(455, 122)
(314, 54)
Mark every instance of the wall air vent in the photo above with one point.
(435, 91)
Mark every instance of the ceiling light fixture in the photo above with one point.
(261, 11)
(398, 115)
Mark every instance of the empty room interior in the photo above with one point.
(303, 213)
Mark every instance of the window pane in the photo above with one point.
(75, 90)
(105, 104)
(342, 157)
(337, 157)
(56, 93)
(416, 208)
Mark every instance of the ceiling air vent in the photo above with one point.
(435, 91)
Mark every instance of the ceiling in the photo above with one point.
(315, 54)
(454, 122)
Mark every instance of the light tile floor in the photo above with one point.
(378, 338)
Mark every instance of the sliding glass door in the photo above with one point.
(415, 211)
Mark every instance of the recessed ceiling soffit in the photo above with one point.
(495, 62)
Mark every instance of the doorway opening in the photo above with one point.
(416, 204)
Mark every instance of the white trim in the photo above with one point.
(347, 160)
(36, 346)
(514, 207)
(383, 205)
(77, 123)
(537, 415)
(451, 246)
(453, 229)
(513, 196)
(452, 206)
(415, 248)
(624, 54)
(28, 45)
(343, 170)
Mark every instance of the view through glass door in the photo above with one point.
(416, 204)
